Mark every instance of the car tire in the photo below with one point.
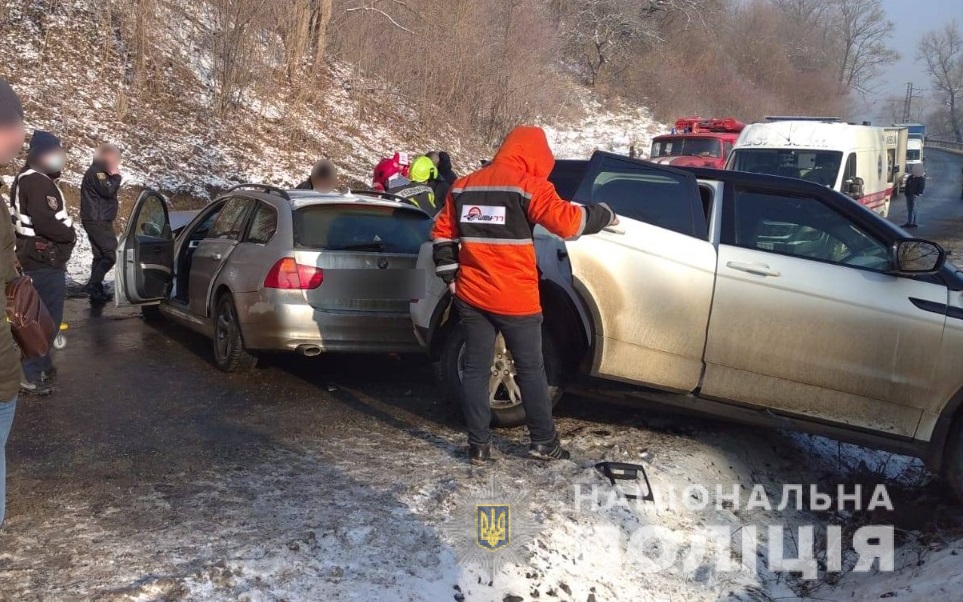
(151, 313)
(230, 354)
(953, 461)
(505, 414)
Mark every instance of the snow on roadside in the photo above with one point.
(602, 128)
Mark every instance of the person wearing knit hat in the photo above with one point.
(45, 240)
(11, 142)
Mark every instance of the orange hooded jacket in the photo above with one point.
(483, 235)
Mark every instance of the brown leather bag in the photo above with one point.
(32, 327)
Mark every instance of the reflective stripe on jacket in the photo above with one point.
(483, 235)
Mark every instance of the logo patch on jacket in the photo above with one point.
(483, 213)
(101, 176)
(53, 203)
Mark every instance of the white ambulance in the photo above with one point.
(847, 157)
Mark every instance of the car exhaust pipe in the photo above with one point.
(309, 350)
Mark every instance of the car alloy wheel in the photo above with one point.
(503, 391)
(230, 354)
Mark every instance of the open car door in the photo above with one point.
(649, 279)
(145, 253)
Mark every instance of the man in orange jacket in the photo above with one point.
(484, 251)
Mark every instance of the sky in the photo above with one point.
(913, 18)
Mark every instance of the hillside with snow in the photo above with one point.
(175, 142)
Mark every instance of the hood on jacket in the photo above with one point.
(526, 148)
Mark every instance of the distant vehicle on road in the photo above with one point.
(697, 142)
(845, 157)
(916, 134)
(769, 300)
(264, 269)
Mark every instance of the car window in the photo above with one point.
(264, 223)
(817, 166)
(230, 222)
(803, 227)
(152, 218)
(566, 176)
(360, 228)
(655, 196)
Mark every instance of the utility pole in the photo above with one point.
(911, 93)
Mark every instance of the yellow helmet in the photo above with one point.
(422, 170)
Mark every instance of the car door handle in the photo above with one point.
(759, 269)
(615, 230)
(216, 256)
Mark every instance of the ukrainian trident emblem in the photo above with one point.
(493, 526)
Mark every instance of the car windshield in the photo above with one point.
(696, 147)
(821, 167)
(357, 227)
(913, 154)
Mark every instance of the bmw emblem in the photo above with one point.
(382, 264)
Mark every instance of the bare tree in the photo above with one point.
(235, 46)
(862, 32)
(941, 51)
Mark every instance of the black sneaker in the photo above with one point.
(40, 390)
(48, 377)
(548, 451)
(479, 454)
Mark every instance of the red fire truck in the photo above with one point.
(697, 142)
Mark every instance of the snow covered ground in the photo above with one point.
(384, 509)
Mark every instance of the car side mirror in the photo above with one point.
(914, 256)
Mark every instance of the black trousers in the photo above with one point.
(51, 285)
(523, 336)
(103, 243)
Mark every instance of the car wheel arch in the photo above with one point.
(950, 417)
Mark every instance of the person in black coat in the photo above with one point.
(45, 240)
(446, 176)
(915, 185)
(98, 210)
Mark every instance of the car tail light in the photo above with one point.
(289, 274)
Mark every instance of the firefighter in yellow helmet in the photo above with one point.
(419, 189)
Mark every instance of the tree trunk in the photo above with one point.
(320, 18)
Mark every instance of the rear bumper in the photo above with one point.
(285, 322)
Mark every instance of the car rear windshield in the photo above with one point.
(360, 228)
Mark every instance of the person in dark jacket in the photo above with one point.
(45, 240)
(323, 178)
(11, 141)
(446, 176)
(98, 210)
(915, 184)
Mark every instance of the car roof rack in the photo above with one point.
(261, 188)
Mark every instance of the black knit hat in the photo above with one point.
(42, 142)
(11, 111)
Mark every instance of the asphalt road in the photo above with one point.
(941, 211)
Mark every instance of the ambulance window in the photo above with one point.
(850, 167)
(727, 148)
